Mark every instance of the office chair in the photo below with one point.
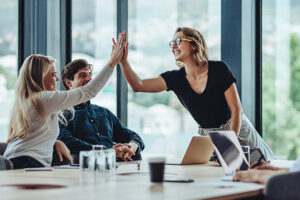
(282, 187)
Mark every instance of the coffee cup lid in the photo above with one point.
(157, 159)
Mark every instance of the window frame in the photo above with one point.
(32, 38)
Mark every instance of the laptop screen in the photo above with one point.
(229, 151)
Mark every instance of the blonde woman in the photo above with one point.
(33, 127)
(205, 88)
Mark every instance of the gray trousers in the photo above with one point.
(247, 136)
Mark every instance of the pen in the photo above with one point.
(138, 165)
(258, 162)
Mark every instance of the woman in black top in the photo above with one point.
(205, 88)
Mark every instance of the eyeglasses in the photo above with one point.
(177, 41)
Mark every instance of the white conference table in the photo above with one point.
(85, 185)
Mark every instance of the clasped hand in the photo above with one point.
(125, 151)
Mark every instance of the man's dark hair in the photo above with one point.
(72, 68)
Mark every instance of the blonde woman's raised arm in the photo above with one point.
(54, 101)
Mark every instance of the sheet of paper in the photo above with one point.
(129, 162)
(66, 167)
(227, 178)
(222, 184)
(283, 163)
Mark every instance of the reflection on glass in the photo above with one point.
(281, 77)
(163, 123)
(93, 26)
(8, 61)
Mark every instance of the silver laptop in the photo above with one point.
(199, 151)
(229, 152)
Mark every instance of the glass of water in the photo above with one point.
(99, 161)
(246, 150)
(97, 147)
(110, 160)
(84, 160)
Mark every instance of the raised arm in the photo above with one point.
(54, 101)
(140, 85)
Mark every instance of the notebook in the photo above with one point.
(199, 151)
(229, 152)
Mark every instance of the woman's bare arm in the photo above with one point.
(157, 84)
(233, 100)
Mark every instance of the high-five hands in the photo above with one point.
(125, 54)
(125, 46)
(117, 50)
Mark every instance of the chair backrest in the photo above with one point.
(285, 186)
(5, 163)
(2, 148)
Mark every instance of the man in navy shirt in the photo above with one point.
(93, 124)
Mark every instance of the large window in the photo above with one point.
(281, 76)
(93, 26)
(163, 123)
(8, 61)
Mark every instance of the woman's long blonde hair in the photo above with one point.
(200, 54)
(30, 82)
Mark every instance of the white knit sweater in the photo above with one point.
(42, 137)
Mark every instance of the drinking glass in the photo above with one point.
(246, 150)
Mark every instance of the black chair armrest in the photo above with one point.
(5, 163)
(2, 148)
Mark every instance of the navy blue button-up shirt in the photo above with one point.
(93, 124)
